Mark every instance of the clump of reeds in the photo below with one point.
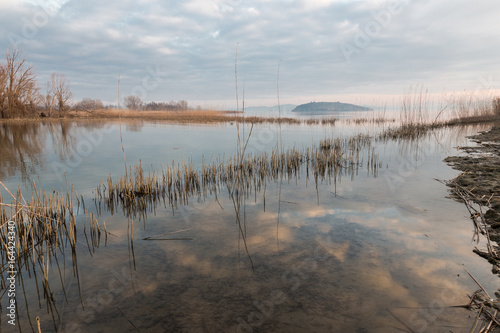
(415, 106)
(43, 228)
(467, 109)
(468, 105)
(320, 121)
(328, 121)
(410, 132)
(139, 192)
(377, 120)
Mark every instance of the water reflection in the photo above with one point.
(330, 274)
(39, 239)
(21, 147)
(357, 256)
(25, 146)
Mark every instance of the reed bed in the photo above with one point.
(139, 192)
(407, 132)
(417, 117)
(413, 132)
(375, 120)
(188, 116)
(44, 228)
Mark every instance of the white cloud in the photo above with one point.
(203, 7)
(316, 4)
(252, 11)
(196, 40)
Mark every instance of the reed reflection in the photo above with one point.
(38, 241)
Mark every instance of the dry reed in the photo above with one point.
(187, 116)
(140, 192)
(43, 228)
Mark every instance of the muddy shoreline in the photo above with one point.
(479, 183)
(478, 187)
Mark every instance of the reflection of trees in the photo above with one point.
(62, 138)
(134, 126)
(22, 145)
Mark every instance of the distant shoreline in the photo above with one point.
(185, 117)
(329, 107)
(241, 117)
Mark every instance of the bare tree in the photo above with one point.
(133, 102)
(47, 100)
(61, 91)
(88, 104)
(3, 85)
(183, 105)
(18, 86)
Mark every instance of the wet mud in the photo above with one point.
(481, 175)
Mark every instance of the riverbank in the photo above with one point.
(479, 181)
(407, 129)
(182, 117)
(478, 187)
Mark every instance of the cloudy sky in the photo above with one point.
(325, 50)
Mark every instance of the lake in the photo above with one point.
(378, 248)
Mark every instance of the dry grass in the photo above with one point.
(417, 131)
(462, 109)
(415, 107)
(42, 230)
(139, 192)
(416, 110)
(470, 106)
(187, 116)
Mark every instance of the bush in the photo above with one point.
(89, 104)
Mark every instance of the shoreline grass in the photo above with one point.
(414, 112)
(139, 191)
(36, 233)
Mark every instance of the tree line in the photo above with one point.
(133, 102)
(21, 96)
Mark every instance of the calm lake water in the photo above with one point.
(377, 251)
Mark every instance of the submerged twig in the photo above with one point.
(165, 234)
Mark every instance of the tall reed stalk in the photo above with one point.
(43, 229)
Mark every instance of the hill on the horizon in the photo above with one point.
(329, 107)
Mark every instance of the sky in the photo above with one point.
(308, 50)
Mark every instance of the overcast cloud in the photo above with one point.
(325, 49)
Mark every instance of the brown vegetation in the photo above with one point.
(186, 116)
(139, 191)
(35, 233)
(88, 104)
(61, 92)
(462, 109)
(133, 102)
(18, 91)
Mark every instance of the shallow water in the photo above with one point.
(380, 251)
